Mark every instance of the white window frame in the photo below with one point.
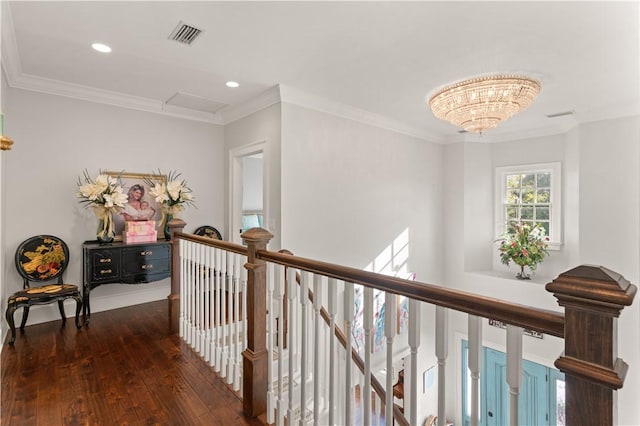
(555, 202)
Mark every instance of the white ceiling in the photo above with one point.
(377, 58)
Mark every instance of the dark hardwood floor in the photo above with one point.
(122, 369)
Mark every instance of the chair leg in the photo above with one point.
(25, 315)
(12, 325)
(78, 300)
(62, 315)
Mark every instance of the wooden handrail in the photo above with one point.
(226, 245)
(593, 298)
(541, 320)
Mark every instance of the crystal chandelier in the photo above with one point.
(481, 103)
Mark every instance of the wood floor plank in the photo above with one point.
(122, 369)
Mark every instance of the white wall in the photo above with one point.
(261, 126)
(58, 138)
(601, 197)
(355, 194)
(610, 232)
(349, 190)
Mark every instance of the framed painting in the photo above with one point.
(140, 205)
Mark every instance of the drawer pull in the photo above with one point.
(146, 253)
(106, 260)
(147, 266)
(106, 271)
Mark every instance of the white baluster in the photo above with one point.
(340, 419)
(291, 296)
(187, 293)
(279, 294)
(216, 312)
(270, 337)
(332, 307)
(475, 363)
(195, 338)
(442, 351)
(238, 321)
(514, 370)
(390, 319)
(191, 296)
(223, 315)
(207, 307)
(213, 272)
(317, 306)
(348, 322)
(414, 343)
(232, 259)
(304, 302)
(199, 286)
(243, 308)
(374, 406)
(183, 298)
(367, 323)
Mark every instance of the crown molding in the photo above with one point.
(621, 111)
(307, 100)
(232, 113)
(92, 94)
(10, 55)
(19, 80)
(278, 93)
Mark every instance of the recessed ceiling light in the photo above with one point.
(232, 84)
(103, 48)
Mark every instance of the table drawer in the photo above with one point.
(144, 253)
(105, 265)
(141, 267)
(105, 272)
(103, 257)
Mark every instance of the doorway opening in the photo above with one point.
(248, 190)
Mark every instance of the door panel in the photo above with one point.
(541, 399)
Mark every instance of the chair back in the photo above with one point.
(42, 258)
(208, 231)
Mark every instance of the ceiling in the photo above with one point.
(377, 60)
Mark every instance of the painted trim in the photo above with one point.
(264, 100)
(307, 100)
(278, 93)
(235, 177)
(16, 78)
(555, 215)
(91, 94)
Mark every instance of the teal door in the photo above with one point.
(541, 399)
(533, 399)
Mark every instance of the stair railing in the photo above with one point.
(593, 298)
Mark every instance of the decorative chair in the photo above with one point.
(40, 259)
(208, 231)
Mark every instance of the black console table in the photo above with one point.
(122, 263)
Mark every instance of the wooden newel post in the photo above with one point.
(175, 225)
(593, 298)
(255, 357)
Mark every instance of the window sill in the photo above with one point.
(554, 246)
(511, 276)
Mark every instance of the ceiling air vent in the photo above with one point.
(560, 114)
(185, 34)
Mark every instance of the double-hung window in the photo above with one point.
(530, 194)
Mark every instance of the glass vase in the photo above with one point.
(522, 275)
(105, 233)
(167, 232)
